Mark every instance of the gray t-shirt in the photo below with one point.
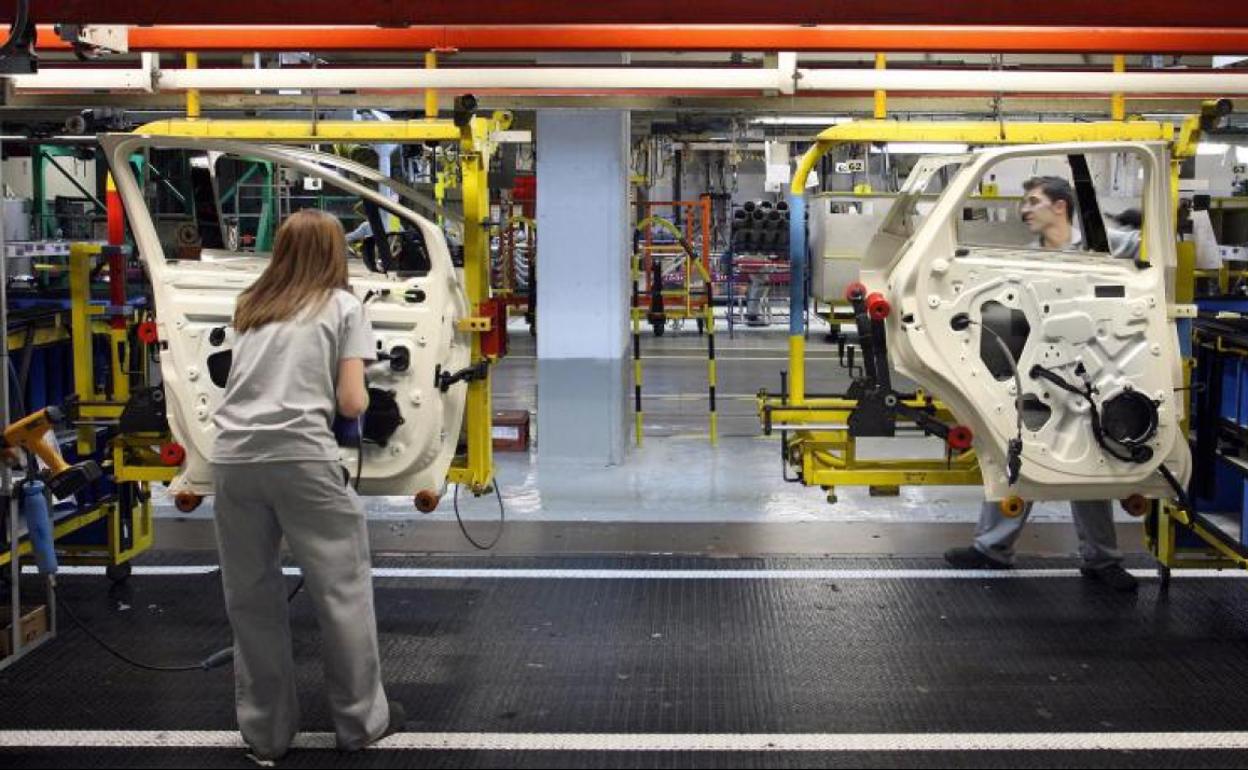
(280, 397)
(1124, 244)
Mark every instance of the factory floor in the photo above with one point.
(688, 608)
(667, 661)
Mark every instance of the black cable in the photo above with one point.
(62, 604)
(215, 660)
(1179, 491)
(502, 519)
(1093, 413)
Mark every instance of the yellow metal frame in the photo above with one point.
(475, 469)
(85, 323)
(703, 311)
(1163, 543)
(827, 457)
(690, 305)
(142, 536)
(825, 452)
(306, 132)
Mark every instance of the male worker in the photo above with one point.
(1048, 209)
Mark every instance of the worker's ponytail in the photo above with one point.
(309, 261)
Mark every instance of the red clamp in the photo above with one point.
(878, 307)
(959, 437)
(148, 333)
(855, 291)
(494, 342)
(172, 453)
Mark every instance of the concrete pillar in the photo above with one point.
(583, 285)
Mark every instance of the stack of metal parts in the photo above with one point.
(761, 227)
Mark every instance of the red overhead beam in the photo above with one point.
(718, 37)
(1076, 13)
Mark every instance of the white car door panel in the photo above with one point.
(194, 304)
(1085, 319)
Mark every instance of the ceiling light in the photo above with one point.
(922, 148)
(800, 120)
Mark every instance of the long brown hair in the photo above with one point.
(309, 261)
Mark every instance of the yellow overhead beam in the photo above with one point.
(994, 132)
(977, 133)
(307, 131)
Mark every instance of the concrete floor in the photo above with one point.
(677, 476)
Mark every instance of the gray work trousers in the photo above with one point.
(1094, 523)
(323, 522)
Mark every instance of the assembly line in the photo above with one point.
(874, 395)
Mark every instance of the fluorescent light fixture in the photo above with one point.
(922, 148)
(800, 120)
(1241, 154)
(1212, 148)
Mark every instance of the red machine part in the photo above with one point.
(1137, 505)
(172, 453)
(187, 502)
(855, 291)
(878, 307)
(494, 342)
(426, 500)
(148, 334)
(960, 437)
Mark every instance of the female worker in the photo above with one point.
(301, 340)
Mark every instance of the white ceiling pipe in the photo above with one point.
(1195, 83)
(139, 78)
(639, 78)
(468, 79)
(84, 80)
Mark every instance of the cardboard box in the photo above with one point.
(34, 624)
(511, 430)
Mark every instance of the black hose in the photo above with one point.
(215, 660)
(1094, 414)
(64, 605)
(1179, 492)
(502, 519)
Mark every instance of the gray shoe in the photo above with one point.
(398, 718)
(972, 558)
(1113, 576)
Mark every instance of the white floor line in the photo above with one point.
(615, 742)
(432, 573)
